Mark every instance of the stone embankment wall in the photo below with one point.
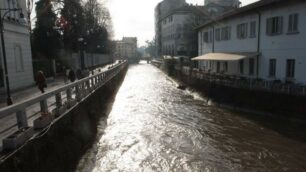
(282, 106)
(60, 147)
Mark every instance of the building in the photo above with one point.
(17, 46)
(175, 21)
(217, 7)
(264, 40)
(178, 37)
(126, 48)
(161, 10)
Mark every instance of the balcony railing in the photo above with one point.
(247, 83)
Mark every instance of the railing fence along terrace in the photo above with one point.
(38, 109)
(247, 83)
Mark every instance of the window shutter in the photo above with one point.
(280, 24)
(246, 30)
(229, 32)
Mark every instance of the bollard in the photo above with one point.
(45, 118)
(22, 120)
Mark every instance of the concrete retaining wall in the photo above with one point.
(60, 147)
(282, 106)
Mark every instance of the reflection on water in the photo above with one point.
(155, 127)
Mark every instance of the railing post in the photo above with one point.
(96, 81)
(22, 120)
(58, 99)
(78, 93)
(44, 106)
(69, 94)
(88, 86)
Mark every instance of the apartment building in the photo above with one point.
(175, 21)
(126, 48)
(266, 40)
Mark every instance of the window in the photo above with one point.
(272, 68)
(217, 34)
(226, 33)
(241, 66)
(211, 64)
(205, 37)
(274, 25)
(10, 5)
(242, 31)
(225, 66)
(293, 23)
(251, 66)
(253, 29)
(290, 70)
(170, 19)
(218, 67)
(18, 58)
(210, 38)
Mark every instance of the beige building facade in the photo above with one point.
(126, 48)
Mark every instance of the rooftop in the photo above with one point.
(246, 9)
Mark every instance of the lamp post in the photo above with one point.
(81, 39)
(7, 10)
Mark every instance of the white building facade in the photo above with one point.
(265, 40)
(17, 46)
(126, 48)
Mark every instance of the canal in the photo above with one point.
(153, 126)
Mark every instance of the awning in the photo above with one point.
(225, 56)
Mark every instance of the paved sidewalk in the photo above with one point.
(33, 91)
(8, 124)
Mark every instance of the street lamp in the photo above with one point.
(81, 39)
(22, 20)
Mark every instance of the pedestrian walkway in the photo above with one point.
(32, 91)
(8, 124)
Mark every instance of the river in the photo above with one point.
(153, 126)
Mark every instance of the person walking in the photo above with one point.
(79, 74)
(41, 81)
(71, 75)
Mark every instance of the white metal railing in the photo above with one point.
(156, 62)
(246, 83)
(61, 97)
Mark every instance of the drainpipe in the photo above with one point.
(213, 37)
(258, 44)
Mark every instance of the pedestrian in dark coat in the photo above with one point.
(41, 81)
(79, 74)
(71, 75)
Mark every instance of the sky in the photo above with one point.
(135, 18)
